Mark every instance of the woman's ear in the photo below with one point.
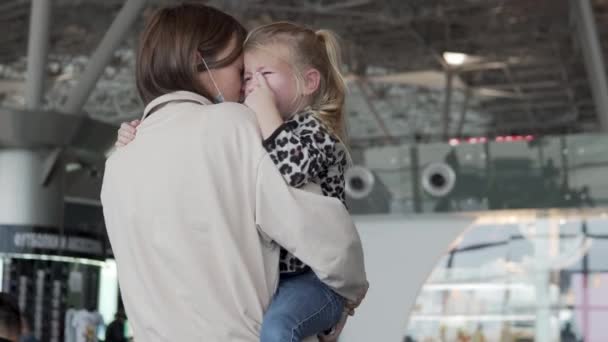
(312, 81)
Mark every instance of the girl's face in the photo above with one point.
(272, 63)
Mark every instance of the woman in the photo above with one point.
(194, 206)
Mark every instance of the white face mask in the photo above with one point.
(219, 98)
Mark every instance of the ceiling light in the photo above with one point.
(71, 167)
(455, 58)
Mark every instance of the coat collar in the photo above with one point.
(180, 95)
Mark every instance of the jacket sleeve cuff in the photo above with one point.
(274, 135)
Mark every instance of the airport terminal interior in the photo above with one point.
(478, 136)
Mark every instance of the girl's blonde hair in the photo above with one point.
(307, 48)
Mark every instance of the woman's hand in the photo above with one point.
(336, 331)
(126, 133)
(261, 100)
(351, 306)
(349, 310)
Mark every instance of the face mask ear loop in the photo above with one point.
(220, 95)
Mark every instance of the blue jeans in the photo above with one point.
(302, 306)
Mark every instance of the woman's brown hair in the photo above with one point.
(167, 54)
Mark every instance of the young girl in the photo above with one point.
(293, 83)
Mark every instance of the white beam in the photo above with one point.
(594, 59)
(114, 36)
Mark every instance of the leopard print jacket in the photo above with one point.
(305, 151)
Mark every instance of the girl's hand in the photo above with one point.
(261, 100)
(126, 133)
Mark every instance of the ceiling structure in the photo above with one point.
(521, 69)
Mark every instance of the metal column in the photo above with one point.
(415, 172)
(594, 60)
(112, 39)
(445, 121)
(463, 112)
(37, 50)
(23, 199)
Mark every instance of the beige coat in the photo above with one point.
(195, 209)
